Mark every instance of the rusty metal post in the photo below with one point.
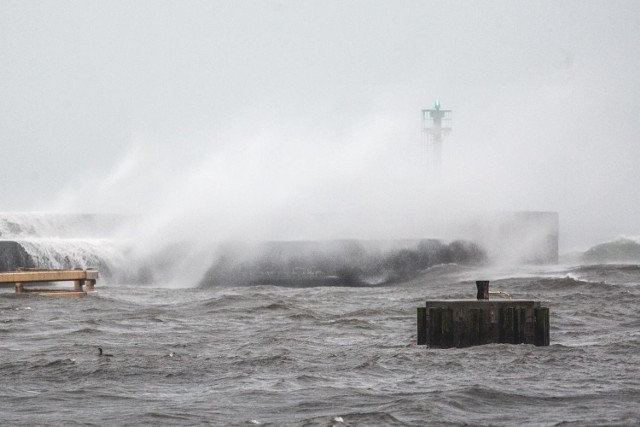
(483, 289)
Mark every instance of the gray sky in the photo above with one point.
(270, 115)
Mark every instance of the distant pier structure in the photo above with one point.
(436, 125)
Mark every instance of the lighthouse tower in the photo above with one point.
(436, 124)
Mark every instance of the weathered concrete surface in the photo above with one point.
(335, 263)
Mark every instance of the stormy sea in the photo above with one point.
(315, 336)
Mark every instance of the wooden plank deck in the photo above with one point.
(25, 276)
(83, 280)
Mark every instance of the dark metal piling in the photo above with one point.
(422, 325)
(541, 326)
(434, 327)
(519, 320)
(474, 328)
(506, 325)
(447, 328)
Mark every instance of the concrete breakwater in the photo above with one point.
(335, 263)
(60, 254)
(110, 243)
(62, 241)
(295, 264)
(14, 256)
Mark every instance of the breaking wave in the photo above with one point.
(622, 250)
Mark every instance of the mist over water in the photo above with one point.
(285, 121)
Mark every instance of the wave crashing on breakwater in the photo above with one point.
(621, 250)
(56, 241)
(41, 240)
(83, 241)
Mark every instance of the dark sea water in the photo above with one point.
(320, 356)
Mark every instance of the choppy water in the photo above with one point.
(320, 356)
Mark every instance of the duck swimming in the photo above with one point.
(100, 353)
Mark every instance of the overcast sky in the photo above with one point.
(270, 114)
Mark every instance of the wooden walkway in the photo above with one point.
(84, 280)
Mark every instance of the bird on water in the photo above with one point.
(100, 353)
